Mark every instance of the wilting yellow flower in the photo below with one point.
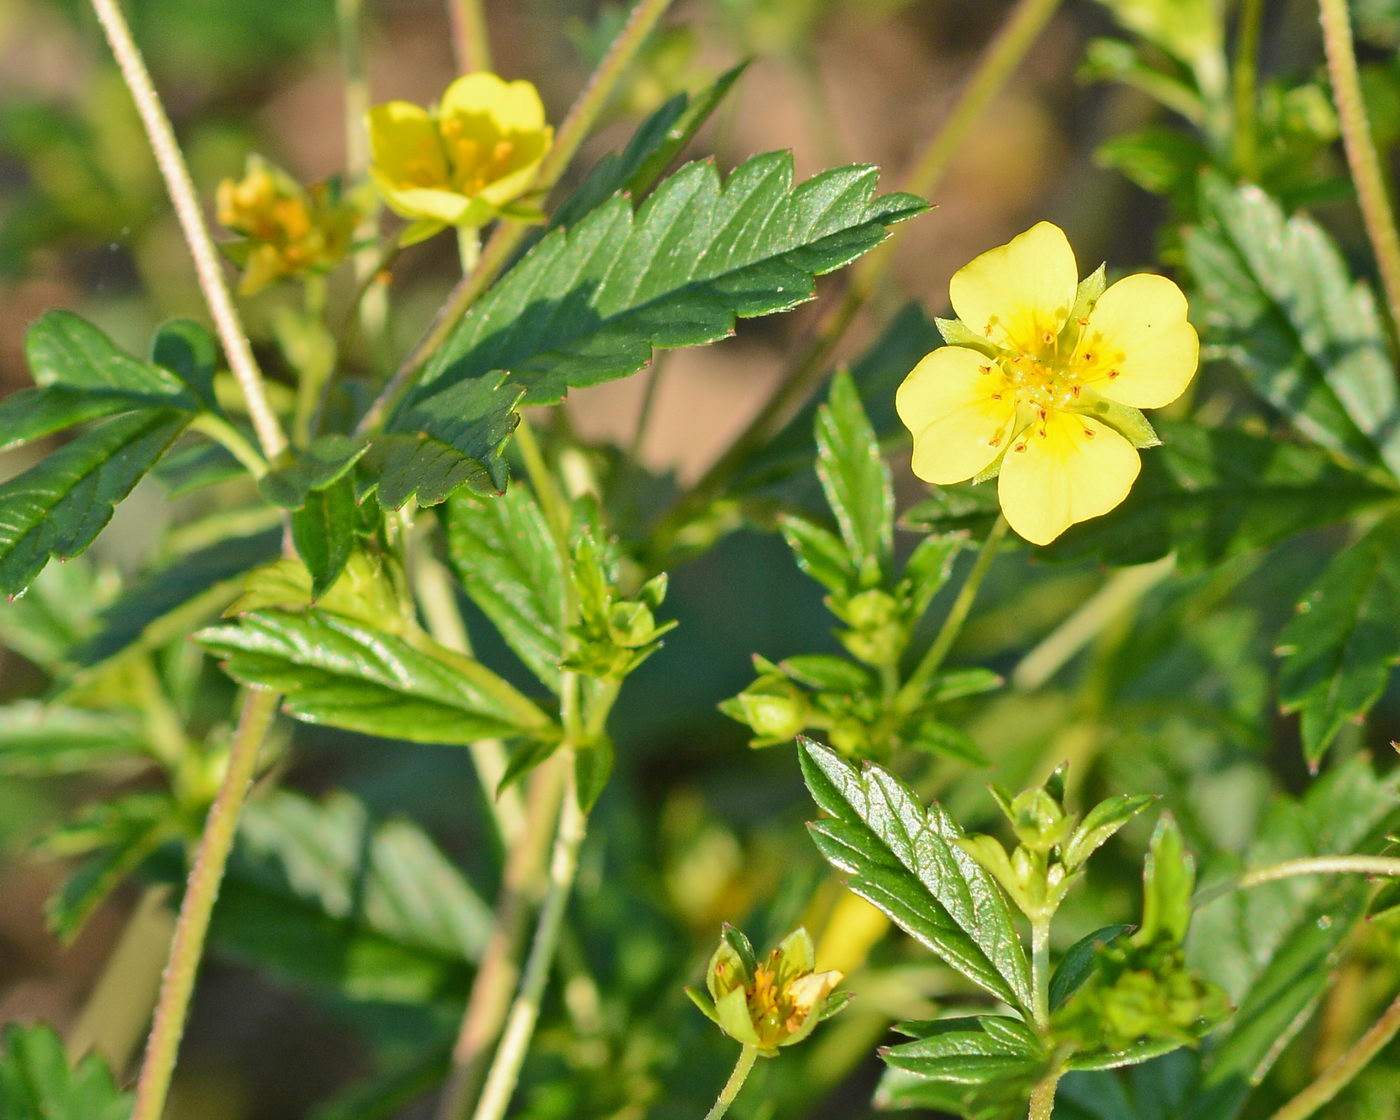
(769, 1003)
(1041, 380)
(287, 228)
(460, 164)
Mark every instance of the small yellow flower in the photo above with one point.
(287, 228)
(769, 1003)
(460, 164)
(1045, 370)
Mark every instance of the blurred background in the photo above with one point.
(85, 225)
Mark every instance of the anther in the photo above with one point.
(1112, 374)
(1020, 447)
(1074, 390)
(1089, 432)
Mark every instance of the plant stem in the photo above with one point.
(499, 968)
(1042, 1102)
(1245, 81)
(736, 1081)
(524, 1012)
(1340, 1073)
(1320, 865)
(187, 209)
(508, 235)
(912, 692)
(994, 67)
(471, 46)
(192, 925)
(1040, 972)
(1360, 147)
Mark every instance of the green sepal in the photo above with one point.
(1128, 422)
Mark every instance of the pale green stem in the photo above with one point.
(176, 174)
(1341, 1072)
(1320, 865)
(1245, 81)
(911, 694)
(742, 1068)
(1040, 971)
(508, 235)
(995, 66)
(1042, 1102)
(524, 1012)
(547, 490)
(192, 925)
(1366, 171)
(468, 249)
(471, 46)
(221, 431)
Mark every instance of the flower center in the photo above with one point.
(1044, 384)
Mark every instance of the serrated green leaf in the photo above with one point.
(323, 893)
(1339, 648)
(1079, 962)
(827, 672)
(587, 305)
(58, 506)
(326, 461)
(455, 438)
(1158, 158)
(45, 738)
(1206, 493)
(338, 672)
(1278, 301)
(190, 351)
(856, 479)
(1099, 824)
(902, 859)
(819, 553)
(37, 1082)
(505, 557)
(65, 350)
(978, 1068)
(323, 531)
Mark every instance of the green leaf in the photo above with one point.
(1158, 158)
(587, 305)
(187, 349)
(1099, 824)
(323, 893)
(928, 569)
(325, 462)
(1168, 877)
(902, 859)
(1080, 961)
(1278, 301)
(954, 683)
(44, 738)
(1206, 493)
(323, 530)
(65, 350)
(656, 143)
(819, 553)
(37, 1083)
(338, 672)
(47, 622)
(829, 673)
(504, 555)
(452, 439)
(975, 1067)
(940, 738)
(58, 506)
(1340, 646)
(856, 479)
(167, 601)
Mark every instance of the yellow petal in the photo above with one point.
(1066, 469)
(959, 407)
(438, 205)
(527, 152)
(1019, 294)
(1138, 348)
(405, 147)
(512, 106)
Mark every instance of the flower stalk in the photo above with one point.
(742, 1068)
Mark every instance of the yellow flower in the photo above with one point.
(287, 228)
(769, 1003)
(1046, 376)
(461, 164)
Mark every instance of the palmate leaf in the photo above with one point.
(58, 506)
(1279, 302)
(343, 673)
(1205, 494)
(900, 858)
(1339, 648)
(37, 1082)
(324, 894)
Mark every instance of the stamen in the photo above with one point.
(1112, 374)
(1089, 432)
(1020, 447)
(1074, 390)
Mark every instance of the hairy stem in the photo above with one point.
(1341, 1072)
(471, 46)
(1042, 1102)
(182, 195)
(502, 244)
(995, 66)
(192, 925)
(1366, 171)
(1040, 972)
(742, 1068)
(524, 1012)
(912, 692)
(1244, 75)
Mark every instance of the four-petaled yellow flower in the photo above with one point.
(1042, 372)
(460, 165)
